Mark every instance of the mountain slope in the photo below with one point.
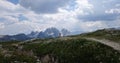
(111, 34)
(112, 44)
(19, 37)
(59, 50)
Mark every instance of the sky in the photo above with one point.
(24, 16)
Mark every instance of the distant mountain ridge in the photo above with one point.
(19, 37)
(48, 33)
(54, 32)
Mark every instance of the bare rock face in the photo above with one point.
(52, 33)
(65, 32)
(48, 59)
(48, 33)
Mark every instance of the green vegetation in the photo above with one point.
(110, 34)
(11, 53)
(74, 49)
(9, 42)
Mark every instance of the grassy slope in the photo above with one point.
(75, 50)
(113, 35)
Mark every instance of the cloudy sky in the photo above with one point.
(24, 16)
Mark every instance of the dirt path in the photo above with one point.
(114, 45)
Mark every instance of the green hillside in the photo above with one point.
(109, 34)
(58, 50)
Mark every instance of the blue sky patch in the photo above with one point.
(22, 18)
(13, 1)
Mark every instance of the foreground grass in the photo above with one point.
(74, 51)
(65, 50)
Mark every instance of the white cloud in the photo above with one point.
(62, 16)
(89, 26)
(99, 10)
(8, 8)
(113, 11)
(8, 20)
(115, 23)
(20, 27)
(2, 25)
(43, 6)
(117, 5)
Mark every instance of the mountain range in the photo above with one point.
(48, 33)
(100, 46)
